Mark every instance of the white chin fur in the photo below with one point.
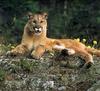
(37, 33)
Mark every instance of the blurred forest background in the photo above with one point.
(66, 18)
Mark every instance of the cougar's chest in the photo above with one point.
(38, 41)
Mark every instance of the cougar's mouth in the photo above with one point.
(37, 31)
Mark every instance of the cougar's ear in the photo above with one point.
(30, 15)
(45, 15)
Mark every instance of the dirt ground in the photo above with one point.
(48, 74)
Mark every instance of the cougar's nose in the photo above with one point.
(37, 29)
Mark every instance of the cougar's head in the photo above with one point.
(37, 22)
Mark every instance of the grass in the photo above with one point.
(28, 65)
(2, 74)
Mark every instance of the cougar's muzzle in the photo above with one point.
(37, 29)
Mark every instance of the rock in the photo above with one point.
(62, 88)
(95, 87)
(48, 84)
(46, 74)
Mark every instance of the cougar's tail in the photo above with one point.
(93, 51)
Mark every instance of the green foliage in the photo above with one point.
(76, 18)
(85, 41)
(18, 7)
(2, 74)
(14, 17)
(98, 19)
(27, 65)
(4, 48)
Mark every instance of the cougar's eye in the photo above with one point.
(41, 21)
(34, 21)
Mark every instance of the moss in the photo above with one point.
(2, 74)
(28, 65)
(5, 48)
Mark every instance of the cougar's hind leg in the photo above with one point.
(87, 57)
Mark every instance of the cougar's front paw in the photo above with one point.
(14, 53)
(35, 56)
(11, 53)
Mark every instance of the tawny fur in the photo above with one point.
(40, 43)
